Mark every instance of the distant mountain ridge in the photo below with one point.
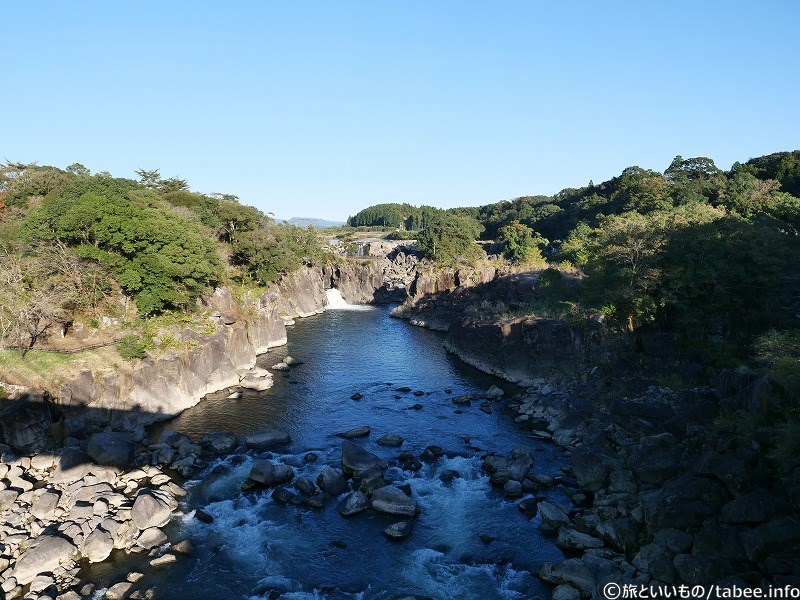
(306, 221)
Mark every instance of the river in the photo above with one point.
(257, 548)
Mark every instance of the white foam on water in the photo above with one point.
(431, 574)
(334, 301)
(451, 508)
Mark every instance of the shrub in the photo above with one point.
(131, 347)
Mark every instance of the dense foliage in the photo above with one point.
(450, 239)
(71, 240)
(695, 249)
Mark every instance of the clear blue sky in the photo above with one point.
(322, 108)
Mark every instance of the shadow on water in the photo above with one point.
(257, 547)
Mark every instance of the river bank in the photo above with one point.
(666, 495)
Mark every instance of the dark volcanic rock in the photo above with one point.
(356, 432)
(355, 458)
(399, 531)
(390, 440)
(269, 473)
(592, 468)
(112, 449)
(758, 506)
(332, 482)
(781, 535)
(267, 439)
(393, 501)
(683, 502)
(353, 504)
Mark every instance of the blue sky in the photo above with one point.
(322, 108)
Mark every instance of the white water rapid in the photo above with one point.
(334, 301)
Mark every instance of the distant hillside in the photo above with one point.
(306, 221)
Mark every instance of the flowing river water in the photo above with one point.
(258, 548)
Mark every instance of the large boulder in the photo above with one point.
(572, 540)
(758, 506)
(111, 448)
(394, 501)
(219, 442)
(98, 545)
(781, 535)
(44, 506)
(269, 473)
(332, 481)
(47, 553)
(592, 468)
(267, 439)
(656, 462)
(72, 466)
(683, 503)
(356, 432)
(353, 504)
(552, 514)
(571, 572)
(355, 458)
(150, 510)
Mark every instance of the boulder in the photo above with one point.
(7, 499)
(393, 501)
(571, 572)
(219, 442)
(494, 392)
(513, 489)
(72, 466)
(758, 506)
(494, 463)
(552, 514)
(269, 473)
(118, 591)
(98, 545)
(355, 458)
(44, 506)
(781, 535)
(166, 559)
(356, 432)
(652, 559)
(390, 440)
(570, 539)
(257, 384)
(353, 504)
(683, 503)
(332, 482)
(150, 510)
(281, 495)
(592, 468)
(695, 570)
(47, 553)
(305, 486)
(267, 439)
(112, 449)
(399, 531)
(151, 538)
(655, 464)
(565, 592)
(184, 548)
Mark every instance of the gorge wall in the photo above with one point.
(154, 388)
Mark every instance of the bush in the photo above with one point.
(131, 347)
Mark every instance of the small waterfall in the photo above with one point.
(334, 301)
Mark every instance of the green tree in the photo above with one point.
(450, 239)
(519, 244)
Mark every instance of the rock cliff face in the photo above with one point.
(438, 297)
(523, 349)
(161, 387)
